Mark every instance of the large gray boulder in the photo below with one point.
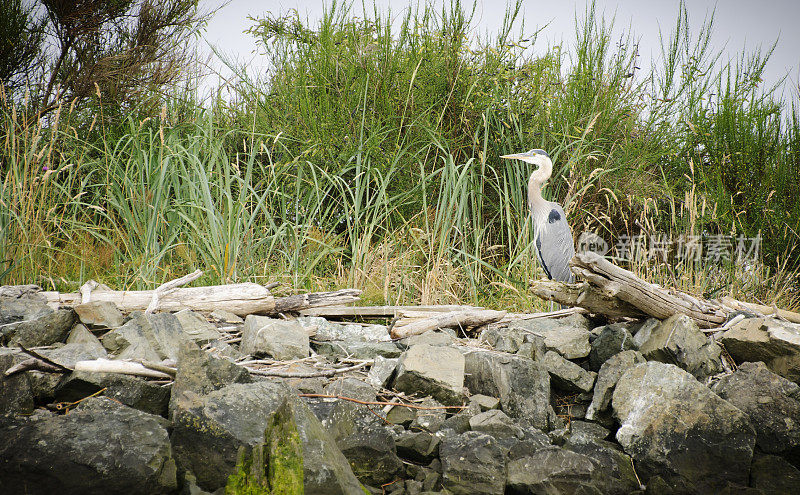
(151, 337)
(99, 447)
(14, 310)
(436, 371)
(610, 372)
(775, 343)
(772, 403)
(556, 470)
(209, 430)
(199, 373)
(521, 384)
(679, 341)
(567, 336)
(677, 429)
(283, 340)
(473, 463)
(357, 349)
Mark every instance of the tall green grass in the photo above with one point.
(368, 156)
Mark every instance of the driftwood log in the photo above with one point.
(241, 299)
(616, 292)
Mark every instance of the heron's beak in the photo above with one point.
(517, 156)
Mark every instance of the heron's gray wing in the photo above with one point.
(555, 246)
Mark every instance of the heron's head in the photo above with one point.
(536, 157)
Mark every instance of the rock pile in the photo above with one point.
(528, 406)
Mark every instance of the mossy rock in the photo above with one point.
(274, 467)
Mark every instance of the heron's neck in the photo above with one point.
(535, 183)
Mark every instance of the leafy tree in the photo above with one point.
(68, 50)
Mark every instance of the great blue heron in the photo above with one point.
(554, 244)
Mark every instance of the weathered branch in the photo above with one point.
(584, 295)
(308, 374)
(166, 288)
(453, 319)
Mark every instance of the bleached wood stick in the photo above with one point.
(241, 299)
(168, 287)
(760, 308)
(380, 311)
(122, 367)
(415, 326)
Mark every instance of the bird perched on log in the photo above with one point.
(553, 237)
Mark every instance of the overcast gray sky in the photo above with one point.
(738, 24)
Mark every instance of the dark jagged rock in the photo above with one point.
(430, 419)
(197, 328)
(613, 339)
(473, 463)
(44, 384)
(199, 373)
(44, 330)
(679, 341)
(129, 390)
(417, 446)
(503, 338)
(676, 428)
(99, 314)
(774, 475)
(771, 402)
(99, 447)
(459, 422)
(366, 443)
(522, 385)
(16, 396)
(566, 375)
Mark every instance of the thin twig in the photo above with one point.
(380, 403)
(310, 374)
